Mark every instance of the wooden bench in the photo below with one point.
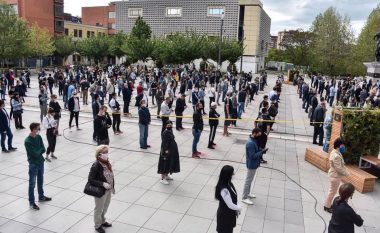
(362, 180)
(368, 160)
(318, 158)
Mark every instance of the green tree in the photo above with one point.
(141, 29)
(13, 34)
(232, 49)
(364, 51)
(64, 46)
(116, 43)
(40, 43)
(297, 46)
(332, 42)
(96, 47)
(276, 55)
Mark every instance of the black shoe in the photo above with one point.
(315, 143)
(328, 210)
(100, 230)
(143, 148)
(106, 224)
(12, 148)
(45, 199)
(213, 144)
(34, 206)
(263, 161)
(211, 147)
(5, 151)
(22, 127)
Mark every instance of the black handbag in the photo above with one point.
(94, 191)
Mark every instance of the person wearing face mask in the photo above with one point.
(254, 154)
(50, 125)
(336, 172)
(43, 99)
(101, 177)
(115, 107)
(101, 126)
(74, 109)
(213, 122)
(17, 111)
(319, 118)
(35, 149)
(228, 209)
(57, 111)
(343, 216)
(197, 129)
(169, 156)
(144, 121)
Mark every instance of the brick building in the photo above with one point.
(50, 16)
(100, 16)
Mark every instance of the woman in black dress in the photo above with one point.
(169, 157)
(228, 209)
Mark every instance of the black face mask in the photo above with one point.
(169, 128)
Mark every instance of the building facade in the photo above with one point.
(273, 42)
(244, 20)
(50, 16)
(101, 16)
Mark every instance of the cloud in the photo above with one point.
(294, 14)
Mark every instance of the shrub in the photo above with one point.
(361, 133)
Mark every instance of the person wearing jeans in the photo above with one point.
(253, 157)
(241, 100)
(336, 172)
(197, 129)
(35, 149)
(144, 121)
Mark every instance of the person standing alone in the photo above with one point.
(180, 107)
(50, 124)
(35, 149)
(5, 127)
(213, 122)
(253, 157)
(144, 121)
(74, 109)
(197, 129)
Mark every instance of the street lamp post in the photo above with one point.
(220, 41)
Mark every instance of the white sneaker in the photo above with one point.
(251, 195)
(162, 181)
(247, 201)
(169, 178)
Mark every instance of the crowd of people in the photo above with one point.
(107, 86)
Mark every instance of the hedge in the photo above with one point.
(361, 133)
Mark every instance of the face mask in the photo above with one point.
(38, 132)
(169, 127)
(104, 156)
(342, 149)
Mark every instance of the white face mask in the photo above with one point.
(104, 156)
(38, 132)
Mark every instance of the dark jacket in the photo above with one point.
(168, 162)
(180, 105)
(242, 96)
(95, 108)
(198, 120)
(319, 115)
(226, 217)
(213, 114)
(144, 116)
(253, 153)
(101, 127)
(4, 121)
(96, 177)
(72, 104)
(343, 218)
(127, 94)
(57, 109)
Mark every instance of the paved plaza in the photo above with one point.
(142, 204)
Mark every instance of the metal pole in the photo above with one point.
(220, 43)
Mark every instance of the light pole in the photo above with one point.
(220, 41)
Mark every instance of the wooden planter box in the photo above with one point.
(318, 158)
(362, 180)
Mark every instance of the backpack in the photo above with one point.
(273, 111)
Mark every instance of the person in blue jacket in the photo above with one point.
(253, 157)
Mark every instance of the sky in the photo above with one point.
(285, 14)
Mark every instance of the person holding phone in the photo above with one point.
(253, 157)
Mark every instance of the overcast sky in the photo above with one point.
(285, 14)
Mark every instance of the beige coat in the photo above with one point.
(337, 166)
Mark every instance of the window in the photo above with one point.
(173, 12)
(66, 31)
(111, 15)
(88, 34)
(15, 8)
(80, 34)
(215, 10)
(58, 10)
(59, 26)
(75, 32)
(92, 34)
(111, 26)
(134, 12)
